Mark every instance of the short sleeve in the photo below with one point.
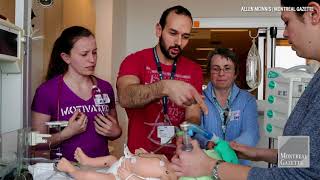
(40, 102)
(112, 97)
(197, 78)
(131, 65)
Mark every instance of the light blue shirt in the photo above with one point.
(242, 125)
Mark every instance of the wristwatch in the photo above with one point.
(214, 172)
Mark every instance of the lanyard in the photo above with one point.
(223, 112)
(226, 116)
(173, 72)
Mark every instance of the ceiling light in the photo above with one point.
(228, 30)
(202, 59)
(204, 49)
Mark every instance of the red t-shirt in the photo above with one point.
(142, 64)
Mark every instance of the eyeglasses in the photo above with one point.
(216, 69)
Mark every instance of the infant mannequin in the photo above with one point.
(142, 165)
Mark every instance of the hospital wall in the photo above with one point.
(7, 8)
(143, 14)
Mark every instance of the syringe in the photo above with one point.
(187, 146)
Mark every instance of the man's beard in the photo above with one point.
(165, 51)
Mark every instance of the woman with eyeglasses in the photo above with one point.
(232, 112)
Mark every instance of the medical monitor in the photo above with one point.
(10, 42)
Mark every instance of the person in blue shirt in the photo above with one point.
(233, 112)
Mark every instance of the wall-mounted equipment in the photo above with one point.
(11, 47)
(46, 3)
(283, 90)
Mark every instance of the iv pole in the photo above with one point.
(273, 36)
(23, 20)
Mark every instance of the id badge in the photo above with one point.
(106, 98)
(235, 115)
(98, 100)
(165, 133)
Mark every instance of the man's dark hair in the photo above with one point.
(226, 53)
(297, 3)
(176, 9)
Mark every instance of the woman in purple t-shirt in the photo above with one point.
(71, 93)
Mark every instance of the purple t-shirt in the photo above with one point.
(46, 101)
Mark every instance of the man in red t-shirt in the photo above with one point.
(160, 88)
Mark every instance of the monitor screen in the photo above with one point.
(8, 43)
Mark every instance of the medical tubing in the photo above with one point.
(299, 67)
(208, 135)
(222, 147)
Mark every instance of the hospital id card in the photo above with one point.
(101, 99)
(165, 133)
(235, 115)
(98, 100)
